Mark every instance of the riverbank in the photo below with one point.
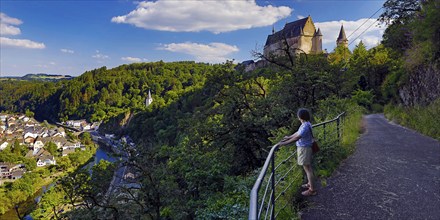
(27, 206)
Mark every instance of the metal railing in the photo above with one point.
(277, 183)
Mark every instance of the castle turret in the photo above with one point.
(317, 42)
(342, 39)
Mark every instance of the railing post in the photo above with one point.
(272, 214)
(337, 127)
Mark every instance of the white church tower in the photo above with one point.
(148, 100)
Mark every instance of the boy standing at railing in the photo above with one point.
(304, 140)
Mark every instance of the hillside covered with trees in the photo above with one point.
(102, 94)
(201, 142)
(209, 126)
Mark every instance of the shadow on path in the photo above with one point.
(393, 174)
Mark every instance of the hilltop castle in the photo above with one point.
(301, 36)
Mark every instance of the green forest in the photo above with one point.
(201, 142)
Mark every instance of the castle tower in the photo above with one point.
(342, 39)
(149, 99)
(317, 42)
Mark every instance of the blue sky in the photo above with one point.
(71, 37)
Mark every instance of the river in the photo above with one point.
(29, 205)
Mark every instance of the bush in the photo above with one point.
(377, 108)
(363, 98)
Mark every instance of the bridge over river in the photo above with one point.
(393, 174)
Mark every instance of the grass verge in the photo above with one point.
(424, 119)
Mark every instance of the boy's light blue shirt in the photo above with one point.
(304, 131)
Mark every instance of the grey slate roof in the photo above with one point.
(292, 29)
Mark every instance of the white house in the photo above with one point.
(5, 169)
(3, 118)
(71, 145)
(45, 133)
(59, 141)
(39, 143)
(33, 132)
(8, 169)
(29, 125)
(86, 127)
(58, 133)
(3, 145)
(45, 159)
(74, 123)
(17, 174)
(30, 134)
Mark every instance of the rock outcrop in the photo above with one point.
(423, 86)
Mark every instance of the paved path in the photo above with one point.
(393, 174)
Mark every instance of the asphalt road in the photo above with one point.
(394, 173)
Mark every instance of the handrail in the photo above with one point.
(255, 210)
(257, 185)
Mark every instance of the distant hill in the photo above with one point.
(40, 77)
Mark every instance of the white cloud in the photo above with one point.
(7, 27)
(9, 30)
(369, 40)
(300, 16)
(52, 63)
(371, 37)
(194, 16)
(5, 19)
(132, 59)
(211, 53)
(67, 51)
(100, 56)
(24, 43)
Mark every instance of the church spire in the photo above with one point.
(149, 99)
(273, 29)
(342, 39)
